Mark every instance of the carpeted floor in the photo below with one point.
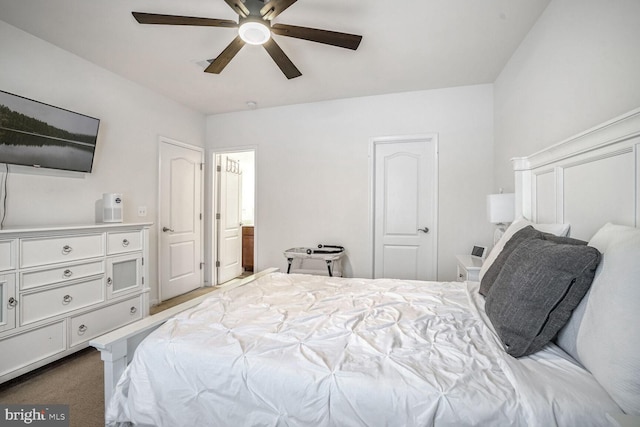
(76, 380)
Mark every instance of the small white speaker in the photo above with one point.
(112, 207)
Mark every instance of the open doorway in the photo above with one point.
(233, 215)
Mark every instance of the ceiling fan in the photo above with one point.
(254, 27)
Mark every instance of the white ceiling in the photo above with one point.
(407, 45)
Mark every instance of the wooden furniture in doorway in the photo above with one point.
(247, 248)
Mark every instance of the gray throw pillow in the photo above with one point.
(491, 274)
(540, 284)
(520, 236)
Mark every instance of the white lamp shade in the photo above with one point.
(501, 208)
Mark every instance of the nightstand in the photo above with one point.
(468, 268)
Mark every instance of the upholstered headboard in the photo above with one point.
(586, 181)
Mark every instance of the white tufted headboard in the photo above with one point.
(586, 181)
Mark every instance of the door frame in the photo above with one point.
(373, 142)
(211, 273)
(165, 140)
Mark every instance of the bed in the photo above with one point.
(302, 350)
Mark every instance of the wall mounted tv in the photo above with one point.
(36, 134)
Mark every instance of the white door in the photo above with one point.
(180, 220)
(229, 217)
(405, 208)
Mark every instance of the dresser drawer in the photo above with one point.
(8, 302)
(29, 347)
(7, 255)
(52, 302)
(33, 279)
(90, 325)
(126, 241)
(51, 250)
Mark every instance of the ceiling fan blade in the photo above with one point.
(274, 8)
(154, 18)
(218, 64)
(281, 59)
(239, 7)
(348, 41)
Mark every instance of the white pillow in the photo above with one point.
(611, 235)
(608, 339)
(518, 224)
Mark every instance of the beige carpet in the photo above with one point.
(75, 380)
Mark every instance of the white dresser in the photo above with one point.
(62, 286)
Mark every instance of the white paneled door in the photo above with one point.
(405, 186)
(180, 221)
(229, 217)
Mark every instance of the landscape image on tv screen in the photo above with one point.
(40, 135)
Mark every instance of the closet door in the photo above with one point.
(405, 206)
(180, 234)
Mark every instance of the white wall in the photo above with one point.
(126, 159)
(312, 168)
(579, 66)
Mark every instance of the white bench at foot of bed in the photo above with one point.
(117, 347)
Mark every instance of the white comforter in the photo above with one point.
(298, 350)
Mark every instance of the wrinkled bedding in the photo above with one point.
(301, 350)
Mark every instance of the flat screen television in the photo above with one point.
(40, 135)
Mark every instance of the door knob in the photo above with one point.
(165, 229)
(424, 230)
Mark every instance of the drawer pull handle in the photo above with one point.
(67, 299)
(67, 273)
(125, 243)
(82, 329)
(66, 250)
(109, 281)
(12, 302)
(133, 310)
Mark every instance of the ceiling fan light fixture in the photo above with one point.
(254, 32)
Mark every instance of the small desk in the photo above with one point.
(331, 255)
